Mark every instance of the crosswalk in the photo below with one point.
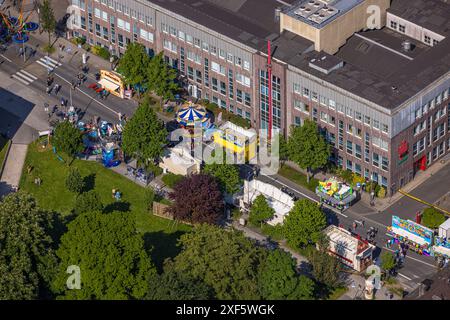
(24, 77)
(49, 63)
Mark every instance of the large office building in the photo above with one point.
(373, 74)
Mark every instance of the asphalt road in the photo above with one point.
(33, 73)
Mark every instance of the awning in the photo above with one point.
(108, 85)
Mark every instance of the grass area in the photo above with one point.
(171, 179)
(337, 293)
(298, 177)
(275, 233)
(52, 195)
(4, 143)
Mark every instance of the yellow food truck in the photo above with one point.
(112, 82)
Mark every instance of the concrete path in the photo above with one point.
(13, 168)
(356, 285)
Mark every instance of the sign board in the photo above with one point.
(413, 230)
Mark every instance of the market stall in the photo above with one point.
(335, 193)
(441, 246)
(112, 82)
(412, 235)
(238, 140)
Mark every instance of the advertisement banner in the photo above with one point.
(413, 228)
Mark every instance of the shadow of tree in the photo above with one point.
(119, 206)
(89, 182)
(161, 246)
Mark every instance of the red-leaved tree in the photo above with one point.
(197, 199)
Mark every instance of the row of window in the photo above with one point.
(213, 50)
(119, 7)
(356, 168)
(332, 105)
(402, 28)
(431, 104)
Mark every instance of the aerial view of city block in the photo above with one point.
(213, 150)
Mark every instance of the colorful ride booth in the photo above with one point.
(336, 194)
(415, 236)
(193, 116)
(441, 248)
(242, 143)
(112, 82)
(351, 250)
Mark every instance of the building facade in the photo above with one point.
(385, 119)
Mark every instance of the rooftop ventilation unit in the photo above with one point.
(308, 8)
(323, 14)
(407, 45)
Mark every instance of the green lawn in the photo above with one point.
(3, 147)
(52, 195)
(298, 177)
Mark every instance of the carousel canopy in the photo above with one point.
(191, 114)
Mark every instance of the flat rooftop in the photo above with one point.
(251, 22)
(433, 15)
(376, 67)
(319, 13)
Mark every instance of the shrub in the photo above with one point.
(381, 193)
(74, 181)
(79, 40)
(171, 179)
(101, 52)
(88, 202)
(345, 175)
(357, 179)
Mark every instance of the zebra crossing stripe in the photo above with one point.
(20, 79)
(28, 74)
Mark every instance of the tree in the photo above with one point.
(225, 260)
(161, 78)
(282, 148)
(144, 135)
(278, 278)
(110, 254)
(68, 139)
(173, 285)
(260, 211)
(325, 268)
(88, 202)
(133, 64)
(307, 148)
(432, 218)
(226, 174)
(47, 18)
(197, 199)
(304, 224)
(27, 258)
(74, 181)
(387, 262)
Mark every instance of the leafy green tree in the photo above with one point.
(111, 256)
(307, 148)
(47, 19)
(304, 224)
(325, 268)
(88, 202)
(387, 262)
(144, 135)
(432, 218)
(68, 139)
(278, 278)
(172, 285)
(225, 260)
(226, 174)
(260, 211)
(133, 64)
(27, 258)
(161, 78)
(74, 181)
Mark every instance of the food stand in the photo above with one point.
(335, 193)
(236, 139)
(112, 82)
(417, 237)
(441, 246)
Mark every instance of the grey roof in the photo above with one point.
(374, 62)
(430, 14)
(251, 22)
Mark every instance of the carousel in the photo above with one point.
(191, 116)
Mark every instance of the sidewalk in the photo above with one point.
(12, 172)
(422, 176)
(356, 285)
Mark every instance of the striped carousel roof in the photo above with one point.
(191, 114)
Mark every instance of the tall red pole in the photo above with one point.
(269, 73)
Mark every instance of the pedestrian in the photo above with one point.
(362, 222)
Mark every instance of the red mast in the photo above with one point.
(269, 74)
